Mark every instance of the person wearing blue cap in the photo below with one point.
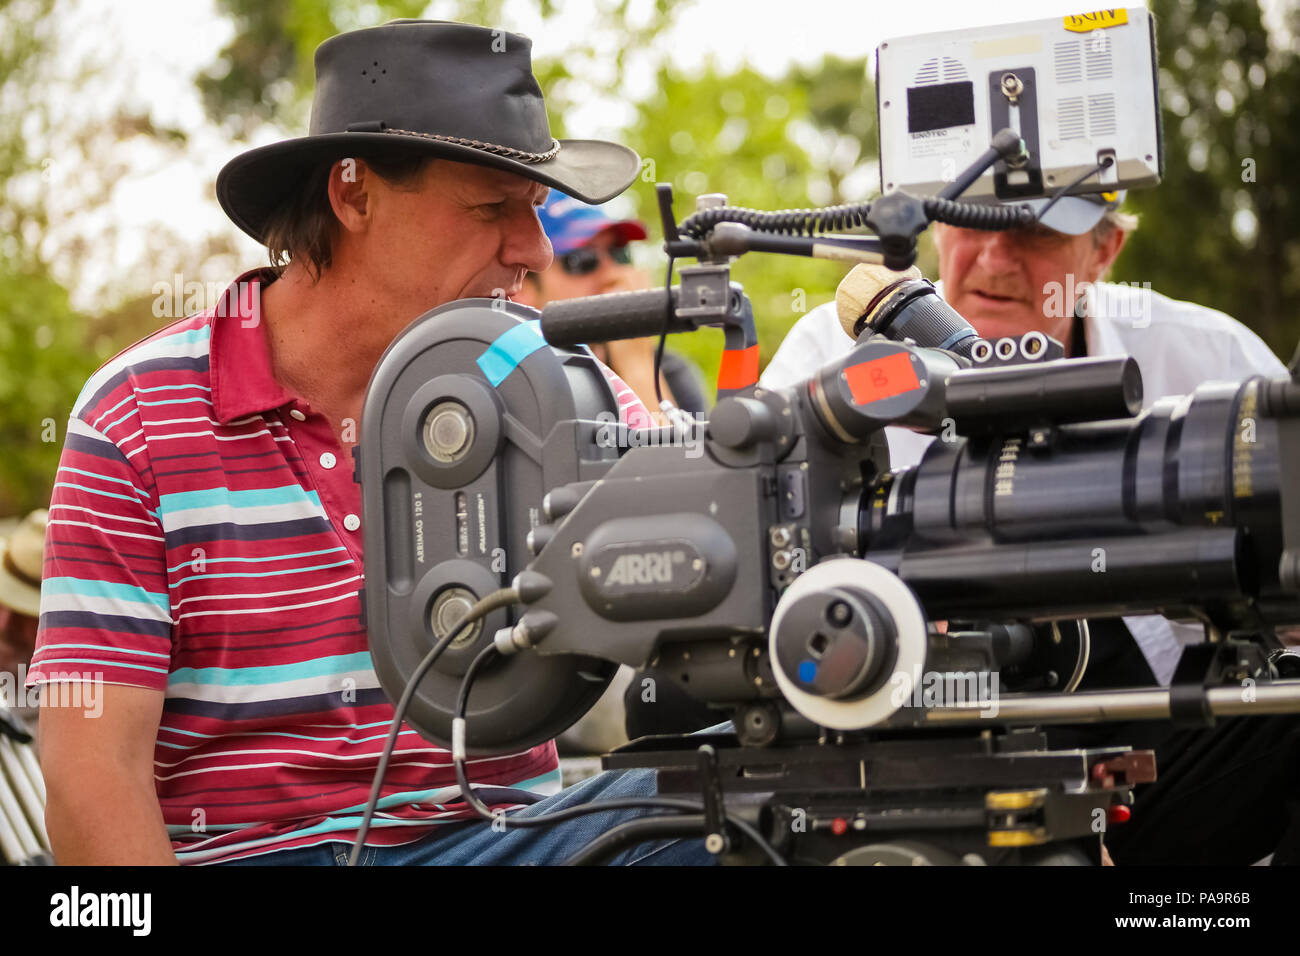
(1050, 277)
(592, 257)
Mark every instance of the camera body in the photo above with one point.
(889, 645)
(771, 564)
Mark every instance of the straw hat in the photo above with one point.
(21, 562)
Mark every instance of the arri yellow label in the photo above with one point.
(1086, 22)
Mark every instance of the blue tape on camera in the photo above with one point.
(510, 348)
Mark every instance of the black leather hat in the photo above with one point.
(453, 90)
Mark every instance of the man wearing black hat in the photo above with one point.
(204, 554)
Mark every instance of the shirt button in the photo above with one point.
(328, 460)
(351, 522)
(294, 413)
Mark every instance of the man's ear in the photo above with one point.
(1107, 251)
(349, 198)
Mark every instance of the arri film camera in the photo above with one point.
(889, 644)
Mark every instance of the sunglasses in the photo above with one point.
(585, 261)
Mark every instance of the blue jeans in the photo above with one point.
(461, 844)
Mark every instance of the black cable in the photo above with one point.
(798, 222)
(1060, 193)
(990, 217)
(497, 599)
(807, 222)
(570, 813)
(663, 335)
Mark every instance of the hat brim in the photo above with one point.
(252, 186)
(16, 594)
(1071, 216)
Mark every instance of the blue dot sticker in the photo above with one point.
(807, 671)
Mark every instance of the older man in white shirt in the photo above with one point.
(1049, 278)
(1226, 795)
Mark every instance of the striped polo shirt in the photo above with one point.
(205, 541)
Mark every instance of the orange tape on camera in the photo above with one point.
(739, 368)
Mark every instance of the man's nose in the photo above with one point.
(997, 253)
(525, 244)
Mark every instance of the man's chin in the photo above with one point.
(495, 293)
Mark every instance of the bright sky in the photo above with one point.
(159, 45)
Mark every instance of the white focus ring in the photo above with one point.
(909, 623)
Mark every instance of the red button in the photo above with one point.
(839, 826)
(1118, 813)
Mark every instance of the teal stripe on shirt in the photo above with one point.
(272, 673)
(252, 498)
(88, 587)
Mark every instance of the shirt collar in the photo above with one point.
(239, 355)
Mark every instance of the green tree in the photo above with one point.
(266, 72)
(57, 168)
(757, 140)
(43, 359)
(43, 365)
(1223, 228)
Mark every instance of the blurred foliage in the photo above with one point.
(1223, 228)
(757, 140)
(43, 365)
(53, 173)
(266, 73)
(43, 355)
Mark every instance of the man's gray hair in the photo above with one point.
(1113, 219)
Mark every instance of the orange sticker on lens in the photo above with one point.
(881, 378)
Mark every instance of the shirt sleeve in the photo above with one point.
(105, 605)
(813, 341)
(631, 410)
